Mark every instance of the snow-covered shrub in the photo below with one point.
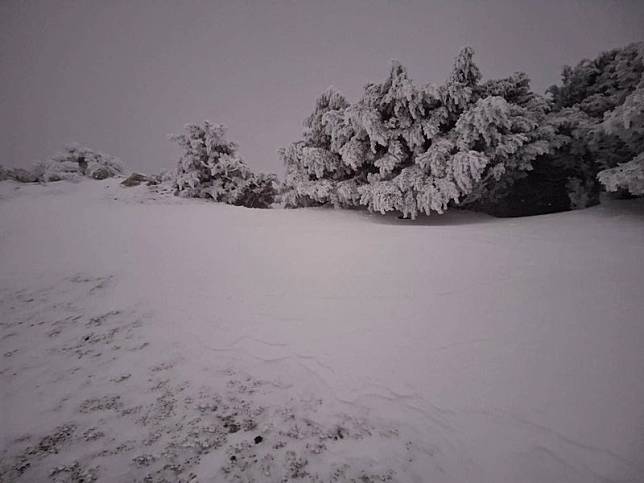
(414, 149)
(165, 177)
(76, 161)
(259, 191)
(20, 175)
(17, 174)
(210, 167)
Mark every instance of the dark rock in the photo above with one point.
(135, 179)
(101, 173)
(258, 439)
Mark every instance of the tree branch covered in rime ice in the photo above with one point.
(626, 176)
(211, 168)
(414, 149)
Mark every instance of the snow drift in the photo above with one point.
(153, 338)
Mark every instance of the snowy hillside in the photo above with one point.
(150, 338)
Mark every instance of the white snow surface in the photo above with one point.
(149, 338)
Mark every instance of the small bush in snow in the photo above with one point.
(210, 167)
(17, 174)
(76, 161)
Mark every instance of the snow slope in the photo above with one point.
(151, 338)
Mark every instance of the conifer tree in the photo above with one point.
(595, 110)
(414, 149)
(627, 123)
(210, 167)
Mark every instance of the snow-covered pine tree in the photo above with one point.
(627, 176)
(626, 122)
(475, 143)
(210, 167)
(396, 120)
(593, 102)
(601, 84)
(410, 149)
(203, 145)
(460, 89)
(314, 165)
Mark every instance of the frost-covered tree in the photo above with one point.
(562, 179)
(314, 165)
(76, 161)
(598, 110)
(584, 142)
(601, 84)
(414, 149)
(626, 122)
(494, 145)
(210, 167)
(627, 176)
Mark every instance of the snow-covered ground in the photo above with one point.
(149, 338)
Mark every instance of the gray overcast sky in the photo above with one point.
(120, 75)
